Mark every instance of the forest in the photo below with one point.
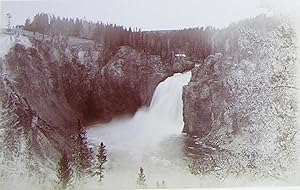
(194, 42)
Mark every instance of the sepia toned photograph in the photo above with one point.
(149, 94)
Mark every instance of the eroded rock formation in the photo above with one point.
(56, 84)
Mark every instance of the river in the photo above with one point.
(151, 139)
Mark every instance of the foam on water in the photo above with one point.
(149, 125)
(150, 139)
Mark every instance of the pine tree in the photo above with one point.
(64, 173)
(163, 184)
(141, 180)
(77, 27)
(81, 153)
(102, 159)
(27, 24)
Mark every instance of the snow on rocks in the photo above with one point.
(7, 41)
(249, 108)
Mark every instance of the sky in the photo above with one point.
(147, 14)
(144, 14)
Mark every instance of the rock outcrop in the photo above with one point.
(242, 103)
(231, 91)
(204, 96)
(56, 85)
(122, 85)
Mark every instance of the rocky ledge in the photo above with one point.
(49, 86)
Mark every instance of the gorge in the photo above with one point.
(224, 110)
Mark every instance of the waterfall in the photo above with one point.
(149, 125)
(166, 106)
(151, 138)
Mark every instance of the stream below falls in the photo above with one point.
(151, 139)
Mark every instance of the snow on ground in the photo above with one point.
(297, 26)
(291, 9)
(7, 41)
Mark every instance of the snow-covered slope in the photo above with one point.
(7, 41)
(243, 102)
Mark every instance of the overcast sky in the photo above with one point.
(145, 14)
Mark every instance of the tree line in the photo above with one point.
(196, 43)
(18, 158)
(80, 163)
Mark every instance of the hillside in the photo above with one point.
(243, 103)
(59, 82)
(59, 76)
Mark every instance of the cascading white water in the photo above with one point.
(167, 102)
(150, 124)
(151, 138)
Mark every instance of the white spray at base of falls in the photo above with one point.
(149, 125)
(152, 139)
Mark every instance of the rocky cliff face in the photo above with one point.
(122, 85)
(51, 85)
(230, 89)
(33, 92)
(242, 102)
(126, 83)
(204, 97)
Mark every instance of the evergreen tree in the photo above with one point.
(40, 23)
(102, 159)
(27, 24)
(196, 43)
(163, 184)
(64, 173)
(81, 153)
(77, 27)
(141, 180)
